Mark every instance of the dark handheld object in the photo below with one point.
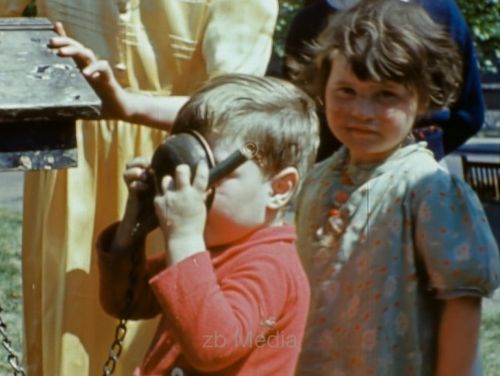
(228, 165)
(184, 148)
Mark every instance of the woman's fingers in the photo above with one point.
(59, 29)
(98, 71)
(63, 41)
(68, 47)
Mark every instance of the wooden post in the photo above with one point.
(41, 96)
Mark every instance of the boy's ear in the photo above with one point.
(283, 185)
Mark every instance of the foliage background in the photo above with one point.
(482, 16)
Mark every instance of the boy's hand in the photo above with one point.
(141, 189)
(182, 212)
(136, 177)
(139, 207)
(115, 99)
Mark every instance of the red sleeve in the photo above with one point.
(231, 314)
(115, 278)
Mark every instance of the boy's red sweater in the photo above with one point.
(239, 311)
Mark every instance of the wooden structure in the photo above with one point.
(484, 178)
(41, 96)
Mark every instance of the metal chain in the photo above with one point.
(121, 329)
(12, 358)
(116, 348)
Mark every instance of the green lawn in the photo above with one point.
(490, 337)
(11, 299)
(10, 283)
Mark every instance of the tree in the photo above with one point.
(483, 18)
(288, 9)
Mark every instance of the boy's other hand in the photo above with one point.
(141, 194)
(136, 176)
(139, 208)
(182, 212)
(116, 102)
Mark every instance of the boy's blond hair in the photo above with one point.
(388, 40)
(275, 115)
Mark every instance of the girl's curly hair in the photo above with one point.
(387, 40)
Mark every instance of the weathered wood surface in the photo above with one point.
(35, 83)
(41, 96)
(36, 145)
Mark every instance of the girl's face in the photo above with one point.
(371, 118)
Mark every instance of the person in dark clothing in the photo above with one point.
(461, 121)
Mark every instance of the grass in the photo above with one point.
(10, 283)
(11, 299)
(490, 337)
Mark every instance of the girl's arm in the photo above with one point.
(458, 336)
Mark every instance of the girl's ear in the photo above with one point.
(283, 185)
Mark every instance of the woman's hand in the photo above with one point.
(115, 100)
(182, 212)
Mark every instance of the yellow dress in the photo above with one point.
(157, 47)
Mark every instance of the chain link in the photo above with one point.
(116, 348)
(12, 358)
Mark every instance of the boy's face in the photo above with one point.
(371, 118)
(240, 202)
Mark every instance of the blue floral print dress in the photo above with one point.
(383, 245)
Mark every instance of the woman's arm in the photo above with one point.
(458, 336)
(156, 112)
(117, 103)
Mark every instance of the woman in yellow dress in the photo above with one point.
(162, 49)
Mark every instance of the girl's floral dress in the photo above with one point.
(383, 245)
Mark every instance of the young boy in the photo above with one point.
(231, 292)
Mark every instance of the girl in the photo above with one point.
(397, 250)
